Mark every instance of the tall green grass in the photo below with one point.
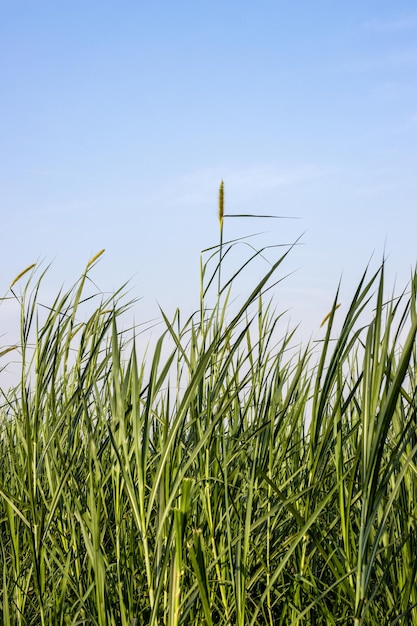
(230, 477)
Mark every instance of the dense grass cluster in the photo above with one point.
(226, 479)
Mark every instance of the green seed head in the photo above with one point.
(19, 276)
(221, 203)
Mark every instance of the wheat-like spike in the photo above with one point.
(221, 203)
(95, 257)
(329, 314)
(19, 276)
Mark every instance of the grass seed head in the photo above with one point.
(221, 203)
(94, 258)
(19, 276)
(327, 317)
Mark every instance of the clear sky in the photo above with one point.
(119, 119)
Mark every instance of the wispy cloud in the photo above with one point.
(272, 177)
(44, 172)
(200, 186)
(376, 190)
(404, 57)
(65, 208)
(399, 23)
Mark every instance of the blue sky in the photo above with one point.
(119, 119)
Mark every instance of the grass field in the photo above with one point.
(226, 478)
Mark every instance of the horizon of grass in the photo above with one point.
(226, 478)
